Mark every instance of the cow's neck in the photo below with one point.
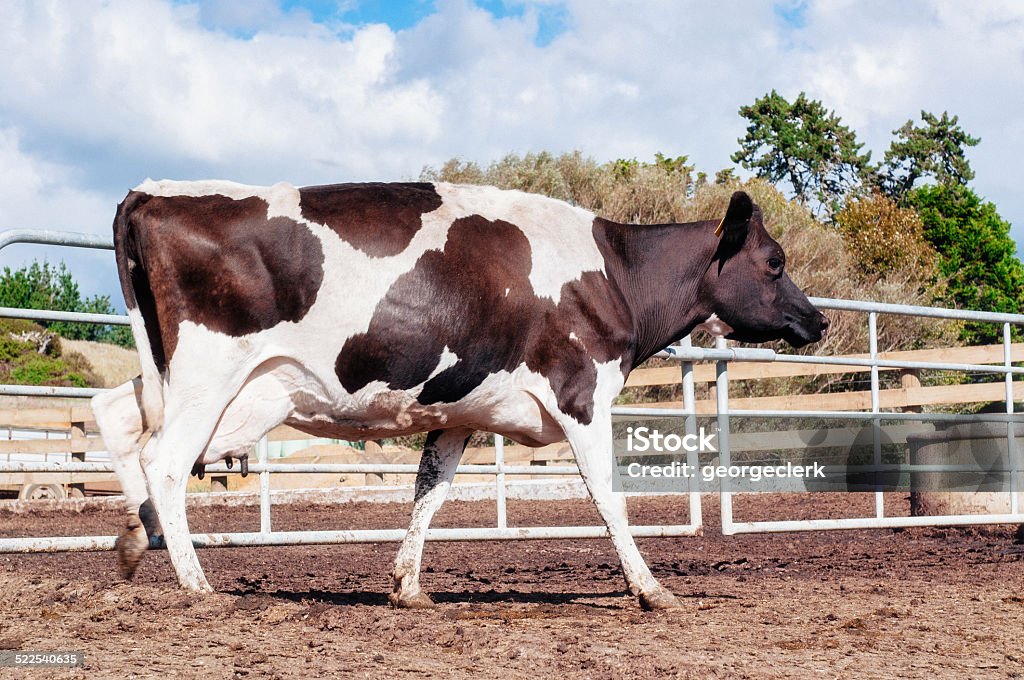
(659, 269)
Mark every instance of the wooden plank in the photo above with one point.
(82, 413)
(18, 479)
(40, 419)
(644, 377)
(40, 446)
(78, 439)
(824, 438)
(484, 455)
(554, 452)
(949, 394)
(61, 418)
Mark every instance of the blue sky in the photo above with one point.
(97, 95)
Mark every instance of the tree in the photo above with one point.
(887, 239)
(976, 253)
(726, 176)
(804, 144)
(44, 286)
(937, 149)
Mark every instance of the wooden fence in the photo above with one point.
(83, 437)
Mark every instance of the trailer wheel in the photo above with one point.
(39, 492)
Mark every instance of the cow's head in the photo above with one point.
(752, 297)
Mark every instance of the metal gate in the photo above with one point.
(686, 354)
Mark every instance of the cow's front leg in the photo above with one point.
(441, 456)
(592, 447)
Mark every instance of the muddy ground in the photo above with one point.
(920, 603)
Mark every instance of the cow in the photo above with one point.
(367, 311)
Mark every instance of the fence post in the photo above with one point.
(499, 481)
(78, 442)
(1012, 454)
(692, 457)
(876, 423)
(910, 378)
(724, 453)
(374, 453)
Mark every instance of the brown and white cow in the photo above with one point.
(363, 311)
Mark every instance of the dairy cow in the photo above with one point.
(364, 311)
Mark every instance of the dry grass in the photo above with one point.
(111, 364)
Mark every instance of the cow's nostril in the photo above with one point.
(824, 323)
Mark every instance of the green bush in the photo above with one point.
(976, 254)
(44, 286)
(22, 362)
(42, 370)
(884, 237)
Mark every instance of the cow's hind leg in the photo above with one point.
(190, 419)
(195, 430)
(119, 415)
(167, 459)
(441, 457)
(592, 447)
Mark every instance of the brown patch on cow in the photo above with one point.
(221, 263)
(378, 219)
(456, 298)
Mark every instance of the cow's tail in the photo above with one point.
(129, 250)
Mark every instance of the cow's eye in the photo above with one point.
(775, 263)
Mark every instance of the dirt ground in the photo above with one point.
(921, 603)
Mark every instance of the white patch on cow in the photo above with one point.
(507, 291)
(448, 359)
(283, 201)
(609, 382)
(153, 382)
(120, 420)
(211, 187)
(561, 236)
(264, 399)
(715, 326)
(282, 198)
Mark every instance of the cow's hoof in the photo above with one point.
(418, 601)
(131, 546)
(200, 586)
(658, 599)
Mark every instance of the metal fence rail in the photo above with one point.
(685, 353)
(875, 415)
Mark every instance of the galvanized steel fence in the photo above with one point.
(685, 353)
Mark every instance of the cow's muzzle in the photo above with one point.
(808, 331)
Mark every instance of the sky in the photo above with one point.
(96, 96)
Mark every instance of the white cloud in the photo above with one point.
(41, 195)
(145, 77)
(36, 194)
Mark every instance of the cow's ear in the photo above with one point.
(737, 218)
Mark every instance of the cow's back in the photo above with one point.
(418, 288)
